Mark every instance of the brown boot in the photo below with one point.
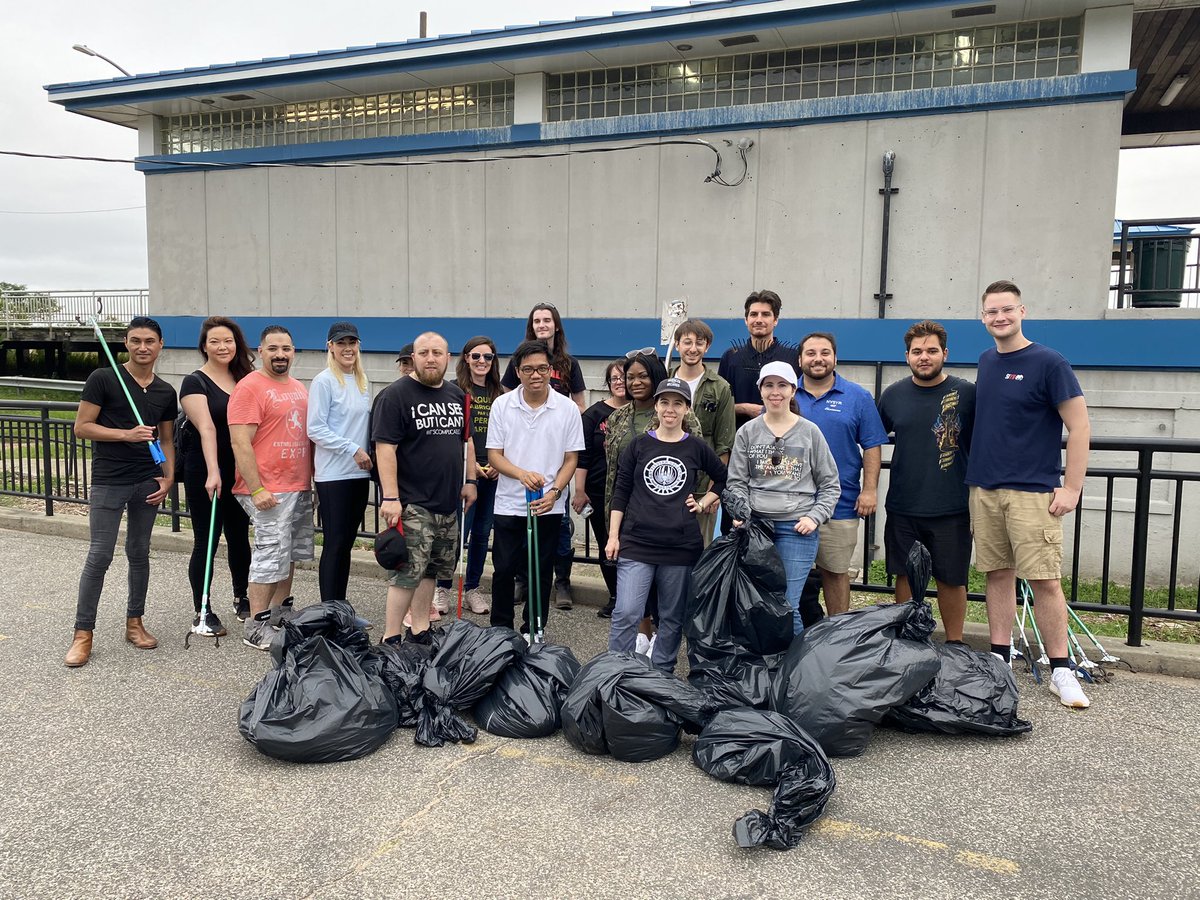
(81, 649)
(136, 634)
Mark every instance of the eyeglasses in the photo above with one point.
(616, 379)
(1004, 310)
(486, 357)
(532, 370)
(645, 351)
(777, 451)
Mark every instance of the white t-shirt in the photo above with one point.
(534, 439)
(692, 385)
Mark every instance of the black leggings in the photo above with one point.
(607, 569)
(342, 504)
(232, 522)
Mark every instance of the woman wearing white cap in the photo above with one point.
(782, 466)
(653, 533)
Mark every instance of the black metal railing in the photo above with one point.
(42, 460)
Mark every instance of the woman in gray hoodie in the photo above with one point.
(781, 465)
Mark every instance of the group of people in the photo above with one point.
(499, 457)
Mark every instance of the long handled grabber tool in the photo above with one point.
(200, 626)
(1105, 656)
(1024, 651)
(1081, 668)
(534, 592)
(462, 511)
(156, 450)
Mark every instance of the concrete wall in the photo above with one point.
(982, 195)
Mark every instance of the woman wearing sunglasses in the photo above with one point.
(782, 466)
(478, 374)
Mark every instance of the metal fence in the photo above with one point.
(42, 460)
(72, 309)
(1155, 265)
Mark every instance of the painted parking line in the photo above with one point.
(970, 858)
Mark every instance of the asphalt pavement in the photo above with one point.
(128, 778)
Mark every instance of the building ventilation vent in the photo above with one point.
(237, 98)
(965, 12)
(739, 40)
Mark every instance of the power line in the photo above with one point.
(63, 212)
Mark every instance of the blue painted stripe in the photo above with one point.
(1089, 87)
(180, 82)
(1102, 344)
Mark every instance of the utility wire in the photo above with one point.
(715, 177)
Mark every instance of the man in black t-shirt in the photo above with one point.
(420, 429)
(125, 478)
(931, 415)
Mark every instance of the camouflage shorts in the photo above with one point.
(432, 540)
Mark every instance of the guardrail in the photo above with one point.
(1155, 265)
(24, 383)
(42, 460)
(72, 309)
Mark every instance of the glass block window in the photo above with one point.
(456, 108)
(962, 56)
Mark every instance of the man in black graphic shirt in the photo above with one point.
(419, 431)
(931, 415)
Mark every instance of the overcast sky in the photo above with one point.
(108, 249)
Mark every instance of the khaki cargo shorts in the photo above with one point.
(835, 552)
(432, 540)
(1015, 530)
(283, 534)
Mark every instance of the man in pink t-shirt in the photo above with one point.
(268, 416)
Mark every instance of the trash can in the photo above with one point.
(1158, 267)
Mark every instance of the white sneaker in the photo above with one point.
(1066, 686)
(441, 599)
(1007, 662)
(477, 602)
(643, 645)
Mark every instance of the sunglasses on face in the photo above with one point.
(486, 357)
(777, 451)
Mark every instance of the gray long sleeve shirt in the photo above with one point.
(804, 482)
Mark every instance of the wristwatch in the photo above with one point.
(557, 491)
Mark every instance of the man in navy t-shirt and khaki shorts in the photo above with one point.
(1025, 394)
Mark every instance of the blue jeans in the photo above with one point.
(106, 505)
(633, 586)
(798, 552)
(478, 529)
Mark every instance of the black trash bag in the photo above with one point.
(466, 665)
(739, 621)
(402, 668)
(620, 704)
(842, 675)
(526, 701)
(318, 705)
(973, 693)
(333, 621)
(758, 747)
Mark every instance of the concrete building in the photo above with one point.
(452, 182)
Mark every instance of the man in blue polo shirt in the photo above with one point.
(847, 417)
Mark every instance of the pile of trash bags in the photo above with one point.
(333, 696)
(739, 622)
(768, 709)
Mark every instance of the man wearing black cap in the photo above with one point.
(404, 360)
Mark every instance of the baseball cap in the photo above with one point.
(779, 370)
(406, 352)
(674, 386)
(391, 549)
(339, 330)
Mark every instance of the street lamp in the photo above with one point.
(88, 51)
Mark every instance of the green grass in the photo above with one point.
(37, 395)
(1102, 624)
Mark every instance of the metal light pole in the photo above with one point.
(88, 51)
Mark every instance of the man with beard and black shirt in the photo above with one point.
(742, 362)
(931, 415)
(420, 428)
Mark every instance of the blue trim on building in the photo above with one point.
(1105, 343)
(1088, 87)
(180, 83)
